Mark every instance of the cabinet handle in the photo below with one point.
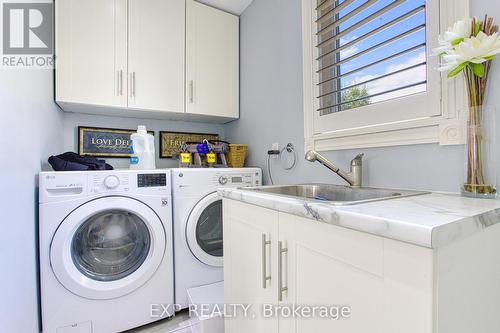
(191, 91)
(265, 277)
(121, 82)
(281, 289)
(117, 83)
(133, 76)
(132, 84)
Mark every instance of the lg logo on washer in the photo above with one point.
(27, 35)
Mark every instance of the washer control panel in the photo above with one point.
(151, 180)
(100, 182)
(74, 184)
(111, 182)
(146, 182)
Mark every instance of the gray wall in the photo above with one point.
(31, 125)
(73, 120)
(271, 108)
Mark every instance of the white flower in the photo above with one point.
(476, 50)
(453, 36)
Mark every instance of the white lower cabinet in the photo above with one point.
(365, 276)
(249, 260)
(383, 285)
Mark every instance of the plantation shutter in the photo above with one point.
(369, 51)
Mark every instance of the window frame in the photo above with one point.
(445, 98)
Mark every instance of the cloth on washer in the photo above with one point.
(73, 162)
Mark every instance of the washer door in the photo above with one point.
(107, 248)
(204, 230)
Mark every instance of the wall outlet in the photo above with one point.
(274, 152)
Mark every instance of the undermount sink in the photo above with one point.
(336, 194)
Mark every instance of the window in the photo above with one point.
(369, 69)
(369, 51)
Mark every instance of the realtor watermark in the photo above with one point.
(27, 35)
(332, 312)
(200, 310)
(163, 310)
(265, 311)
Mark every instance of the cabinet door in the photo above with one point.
(156, 54)
(386, 284)
(212, 68)
(250, 253)
(91, 52)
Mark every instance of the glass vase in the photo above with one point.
(480, 174)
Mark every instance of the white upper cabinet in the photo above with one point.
(128, 58)
(156, 54)
(91, 51)
(212, 61)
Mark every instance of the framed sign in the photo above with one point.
(171, 142)
(105, 142)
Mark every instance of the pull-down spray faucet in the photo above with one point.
(354, 177)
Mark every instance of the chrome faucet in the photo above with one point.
(354, 177)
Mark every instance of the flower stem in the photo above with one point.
(476, 90)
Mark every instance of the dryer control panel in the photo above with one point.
(237, 179)
(195, 182)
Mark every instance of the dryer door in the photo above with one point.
(204, 230)
(108, 247)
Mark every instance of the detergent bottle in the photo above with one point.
(142, 150)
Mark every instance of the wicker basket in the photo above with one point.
(236, 156)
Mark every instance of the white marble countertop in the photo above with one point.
(430, 220)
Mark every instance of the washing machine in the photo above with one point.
(106, 250)
(197, 216)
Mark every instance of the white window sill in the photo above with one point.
(417, 131)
